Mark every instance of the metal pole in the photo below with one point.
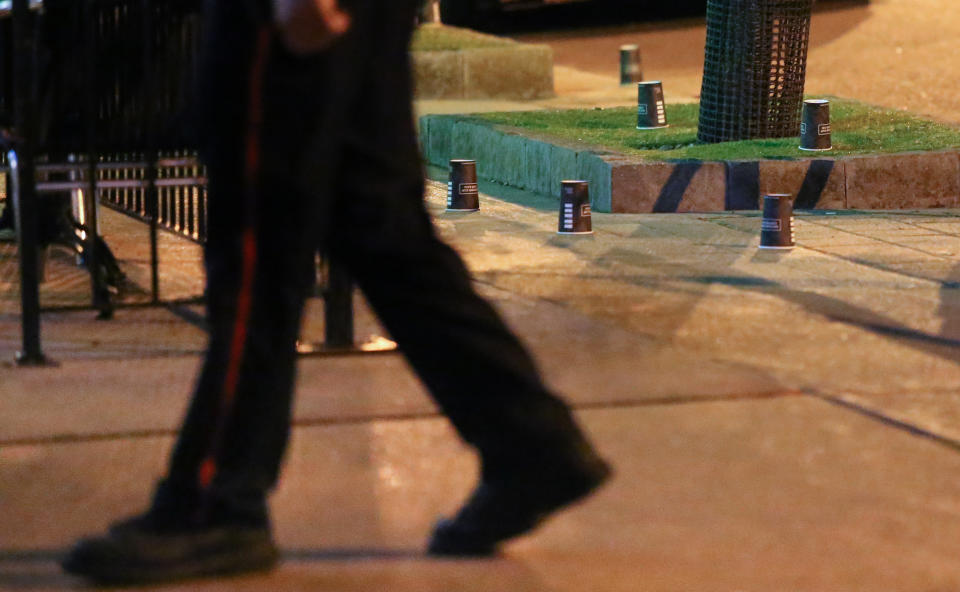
(430, 13)
(98, 281)
(150, 151)
(338, 308)
(23, 176)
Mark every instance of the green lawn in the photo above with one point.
(857, 129)
(443, 38)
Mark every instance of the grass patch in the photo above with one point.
(432, 37)
(857, 129)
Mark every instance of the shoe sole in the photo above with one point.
(258, 558)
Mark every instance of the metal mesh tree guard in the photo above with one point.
(754, 69)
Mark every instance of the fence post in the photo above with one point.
(430, 13)
(151, 195)
(338, 308)
(91, 197)
(23, 182)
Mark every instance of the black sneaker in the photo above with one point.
(135, 551)
(500, 510)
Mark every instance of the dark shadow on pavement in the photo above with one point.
(32, 569)
(949, 309)
(352, 554)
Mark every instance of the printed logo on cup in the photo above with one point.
(776, 225)
(770, 224)
(815, 125)
(574, 208)
(651, 108)
(462, 189)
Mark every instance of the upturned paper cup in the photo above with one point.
(463, 193)
(815, 126)
(575, 212)
(651, 112)
(631, 71)
(776, 226)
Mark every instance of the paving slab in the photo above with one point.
(931, 412)
(695, 345)
(643, 296)
(791, 493)
(704, 367)
(589, 361)
(794, 316)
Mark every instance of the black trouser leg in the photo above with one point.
(239, 415)
(475, 368)
(258, 259)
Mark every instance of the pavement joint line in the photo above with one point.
(776, 288)
(42, 555)
(59, 439)
(85, 357)
(880, 417)
(928, 213)
(164, 304)
(889, 330)
(37, 555)
(879, 328)
(929, 229)
(898, 332)
(946, 284)
(720, 222)
(813, 222)
(688, 400)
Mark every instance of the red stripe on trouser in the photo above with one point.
(208, 467)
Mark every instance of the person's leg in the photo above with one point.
(534, 457)
(480, 374)
(209, 515)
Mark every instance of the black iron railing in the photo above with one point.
(95, 97)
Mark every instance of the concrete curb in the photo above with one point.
(517, 72)
(625, 184)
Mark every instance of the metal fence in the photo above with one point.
(95, 98)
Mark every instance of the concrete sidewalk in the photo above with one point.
(778, 421)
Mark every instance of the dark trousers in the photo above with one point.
(321, 153)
